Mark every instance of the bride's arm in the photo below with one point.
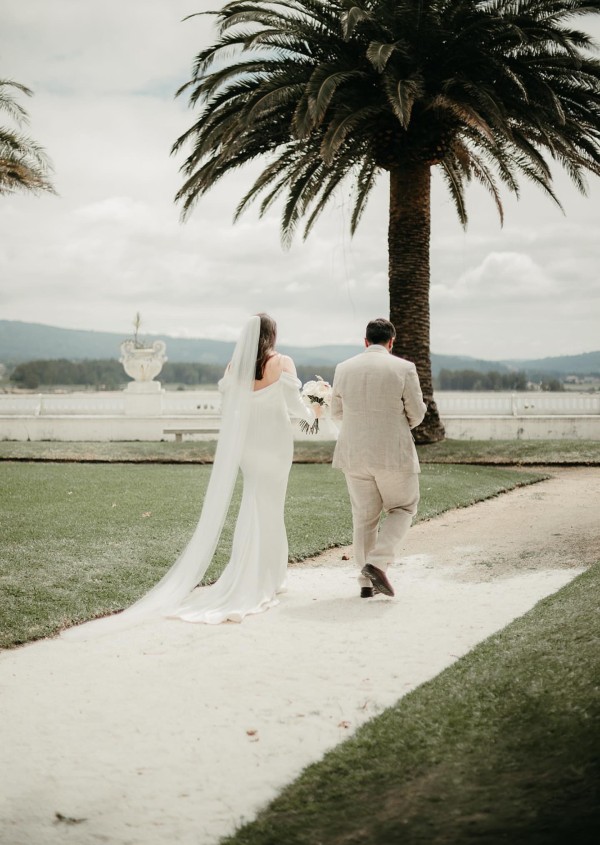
(291, 391)
(222, 383)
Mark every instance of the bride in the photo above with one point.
(260, 395)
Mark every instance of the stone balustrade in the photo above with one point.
(460, 403)
(129, 415)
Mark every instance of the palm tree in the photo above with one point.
(23, 164)
(334, 90)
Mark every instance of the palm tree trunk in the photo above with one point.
(408, 243)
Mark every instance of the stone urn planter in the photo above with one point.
(143, 364)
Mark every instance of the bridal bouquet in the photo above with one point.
(318, 392)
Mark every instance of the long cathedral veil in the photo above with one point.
(166, 596)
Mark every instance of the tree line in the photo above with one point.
(108, 374)
(474, 380)
(103, 374)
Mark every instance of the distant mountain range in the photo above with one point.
(30, 341)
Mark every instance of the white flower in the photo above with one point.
(318, 389)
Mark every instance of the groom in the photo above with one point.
(377, 398)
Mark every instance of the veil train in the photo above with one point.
(166, 596)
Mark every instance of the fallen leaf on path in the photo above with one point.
(67, 819)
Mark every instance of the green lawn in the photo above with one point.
(504, 746)
(519, 452)
(80, 539)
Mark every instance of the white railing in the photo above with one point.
(462, 403)
(125, 416)
(205, 402)
(208, 403)
(81, 404)
(12, 403)
(191, 402)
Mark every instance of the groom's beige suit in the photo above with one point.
(377, 399)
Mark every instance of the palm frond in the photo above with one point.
(401, 95)
(491, 90)
(454, 181)
(323, 88)
(365, 181)
(379, 54)
(352, 16)
(342, 123)
(24, 164)
(9, 104)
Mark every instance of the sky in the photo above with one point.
(111, 243)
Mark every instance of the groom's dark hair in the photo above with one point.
(380, 331)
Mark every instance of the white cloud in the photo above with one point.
(111, 243)
(499, 276)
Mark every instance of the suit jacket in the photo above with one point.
(377, 398)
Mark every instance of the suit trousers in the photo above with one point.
(372, 493)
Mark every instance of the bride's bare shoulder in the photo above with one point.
(278, 364)
(287, 365)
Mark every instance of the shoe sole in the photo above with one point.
(378, 585)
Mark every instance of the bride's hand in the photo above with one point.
(317, 409)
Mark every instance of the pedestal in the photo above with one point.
(143, 399)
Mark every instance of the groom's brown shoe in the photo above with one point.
(378, 579)
(368, 592)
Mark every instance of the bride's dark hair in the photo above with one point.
(266, 343)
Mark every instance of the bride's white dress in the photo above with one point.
(257, 568)
(257, 436)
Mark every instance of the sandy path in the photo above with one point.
(176, 732)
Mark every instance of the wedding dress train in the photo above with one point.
(257, 568)
(256, 435)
